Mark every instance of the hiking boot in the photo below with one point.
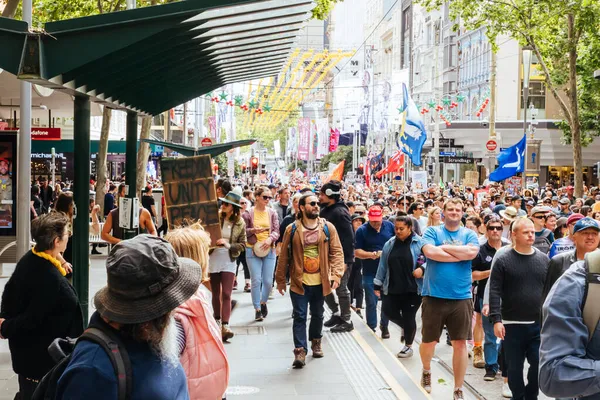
(226, 333)
(406, 352)
(426, 381)
(385, 332)
(458, 394)
(490, 375)
(264, 310)
(258, 315)
(333, 321)
(317, 349)
(247, 288)
(299, 358)
(478, 361)
(343, 327)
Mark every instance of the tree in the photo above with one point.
(342, 153)
(564, 38)
(323, 8)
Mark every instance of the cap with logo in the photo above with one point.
(375, 214)
(586, 223)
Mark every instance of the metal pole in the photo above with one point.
(436, 131)
(525, 101)
(130, 163)
(24, 161)
(81, 224)
(198, 122)
(53, 165)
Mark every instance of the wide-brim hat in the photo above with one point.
(510, 213)
(146, 280)
(233, 197)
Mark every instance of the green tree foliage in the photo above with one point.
(564, 37)
(323, 8)
(342, 153)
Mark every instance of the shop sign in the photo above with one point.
(45, 134)
(460, 160)
(190, 194)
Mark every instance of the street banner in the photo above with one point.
(322, 137)
(334, 139)
(419, 181)
(277, 148)
(303, 138)
(480, 195)
(190, 195)
(292, 144)
(212, 123)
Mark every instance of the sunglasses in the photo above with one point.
(360, 212)
(243, 203)
(540, 217)
(420, 208)
(313, 203)
(494, 228)
(267, 198)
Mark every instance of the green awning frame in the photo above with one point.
(151, 59)
(212, 151)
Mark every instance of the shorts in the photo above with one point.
(477, 306)
(456, 315)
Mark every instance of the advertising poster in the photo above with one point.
(322, 137)
(303, 138)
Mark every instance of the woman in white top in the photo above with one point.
(222, 259)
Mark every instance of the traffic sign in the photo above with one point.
(205, 142)
(491, 145)
(447, 153)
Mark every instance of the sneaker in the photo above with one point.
(343, 327)
(458, 394)
(272, 293)
(299, 358)
(478, 361)
(406, 352)
(235, 285)
(95, 252)
(247, 288)
(317, 349)
(258, 315)
(385, 332)
(264, 310)
(490, 375)
(226, 333)
(426, 381)
(333, 321)
(506, 392)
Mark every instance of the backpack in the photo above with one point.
(294, 227)
(542, 243)
(61, 351)
(591, 297)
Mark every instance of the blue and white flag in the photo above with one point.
(413, 134)
(511, 161)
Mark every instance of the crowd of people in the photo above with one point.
(503, 276)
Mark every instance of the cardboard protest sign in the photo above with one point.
(190, 194)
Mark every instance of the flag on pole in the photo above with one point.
(367, 172)
(413, 133)
(511, 161)
(338, 172)
(396, 164)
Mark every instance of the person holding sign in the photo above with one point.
(222, 259)
(262, 231)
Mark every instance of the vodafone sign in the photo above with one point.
(45, 133)
(491, 145)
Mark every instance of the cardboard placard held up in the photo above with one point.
(190, 193)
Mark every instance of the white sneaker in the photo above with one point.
(506, 391)
(272, 294)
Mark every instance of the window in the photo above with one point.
(537, 95)
(405, 38)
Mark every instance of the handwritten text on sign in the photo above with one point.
(190, 194)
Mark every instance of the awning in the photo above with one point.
(212, 151)
(154, 58)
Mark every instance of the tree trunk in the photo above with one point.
(143, 152)
(11, 8)
(101, 169)
(575, 122)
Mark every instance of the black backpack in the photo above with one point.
(61, 351)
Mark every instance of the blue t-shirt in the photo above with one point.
(368, 239)
(448, 280)
(561, 245)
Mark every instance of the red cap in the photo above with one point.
(574, 218)
(375, 214)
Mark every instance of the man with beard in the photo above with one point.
(315, 261)
(335, 211)
(146, 282)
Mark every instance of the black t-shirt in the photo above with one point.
(400, 264)
(147, 203)
(483, 262)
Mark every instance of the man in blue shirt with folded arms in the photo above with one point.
(447, 299)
